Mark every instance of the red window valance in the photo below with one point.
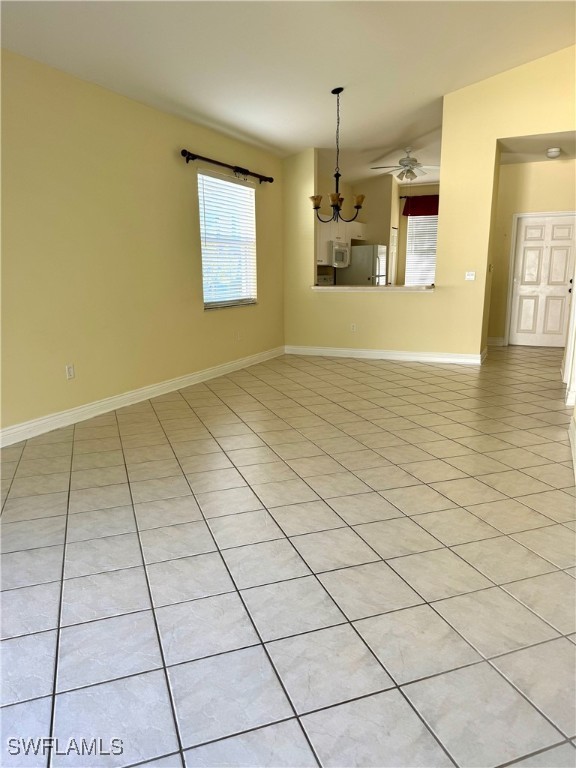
(421, 205)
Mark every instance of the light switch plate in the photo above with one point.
(470, 276)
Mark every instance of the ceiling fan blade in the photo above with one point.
(420, 172)
(382, 167)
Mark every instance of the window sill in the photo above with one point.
(228, 304)
(373, 288)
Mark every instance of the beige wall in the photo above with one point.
(524, 188)
(380, 209)
(100, 246)
(535, 98)
(299, 175)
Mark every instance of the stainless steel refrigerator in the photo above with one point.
(367, 266)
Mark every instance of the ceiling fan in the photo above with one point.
(408, 166)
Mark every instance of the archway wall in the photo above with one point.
(535, 98)
(524, 188)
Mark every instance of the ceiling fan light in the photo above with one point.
(410, 174)
(401, 175)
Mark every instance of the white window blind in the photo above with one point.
(228, 239)
(421, 250)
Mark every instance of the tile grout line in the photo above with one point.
(358, 635)
(52, 723)
(502, 585)
(553, 522)
(256, 630)
(462, 637)
(542, 751)
(19, 460)
(402, 515)
(153, 614)
(394, 686)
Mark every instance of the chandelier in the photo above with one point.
(335, 199)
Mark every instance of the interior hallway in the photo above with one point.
(313, 561)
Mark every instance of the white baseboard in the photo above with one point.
(27, 429)
(388, 354)
(571, 397)
(497, 341)
(572, 435)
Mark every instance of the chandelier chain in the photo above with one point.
(337, 133)
(335, 199)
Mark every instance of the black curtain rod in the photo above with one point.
(236, 168)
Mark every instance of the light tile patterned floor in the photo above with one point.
(313, 561)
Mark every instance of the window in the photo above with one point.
(228, 240)
(421, 250)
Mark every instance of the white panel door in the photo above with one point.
(543, 272)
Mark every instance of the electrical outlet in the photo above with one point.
(70, 372)
(353, 327)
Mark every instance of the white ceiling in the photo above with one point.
(263, 71)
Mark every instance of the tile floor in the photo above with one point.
(309, 562)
